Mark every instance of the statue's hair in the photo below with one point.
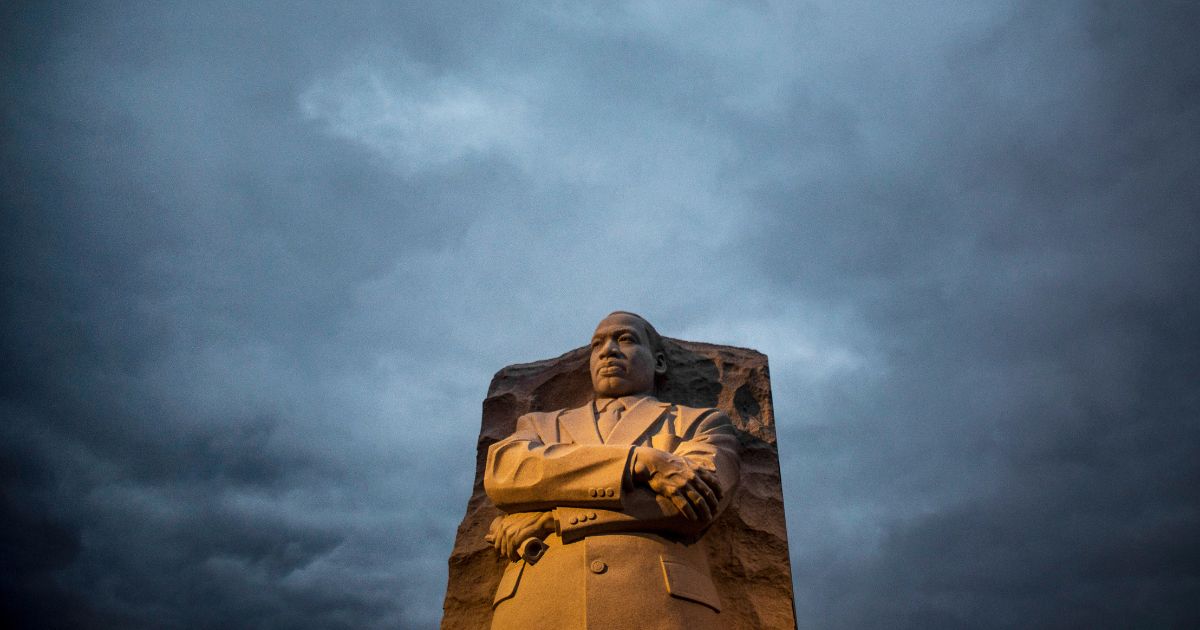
(656, 342)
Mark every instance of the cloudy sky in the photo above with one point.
(260, 263)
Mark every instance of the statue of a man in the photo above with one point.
(615, 494)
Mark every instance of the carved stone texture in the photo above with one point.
(747, 545)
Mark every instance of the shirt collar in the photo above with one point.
(628, 402)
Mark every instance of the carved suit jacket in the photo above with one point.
(623, 556)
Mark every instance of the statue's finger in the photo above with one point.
(710, 491)
(508, 543)
(682, 505)
(711, 480)
(490, 538)
(701, 507)
(514, 542)
(706, 493)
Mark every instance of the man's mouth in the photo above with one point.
(611, 370)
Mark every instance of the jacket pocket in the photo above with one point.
(687, 583)
(508, 582)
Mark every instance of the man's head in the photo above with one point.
(627, 356)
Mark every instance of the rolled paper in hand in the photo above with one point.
(532, 549)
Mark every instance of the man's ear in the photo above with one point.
(660, 363)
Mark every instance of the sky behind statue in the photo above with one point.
(258, 259)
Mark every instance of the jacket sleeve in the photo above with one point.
(523, 473)
(711, 442)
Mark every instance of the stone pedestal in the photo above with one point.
(747, 546)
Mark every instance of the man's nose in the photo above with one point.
(611, 349)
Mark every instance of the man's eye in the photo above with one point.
(628, 339)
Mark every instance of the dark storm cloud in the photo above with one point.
(259, 265)
(1028, 458)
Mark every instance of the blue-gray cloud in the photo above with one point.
(260, 264)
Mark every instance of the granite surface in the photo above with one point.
(747, 546)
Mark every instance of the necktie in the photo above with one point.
(609, 418)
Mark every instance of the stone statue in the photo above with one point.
(604, 504)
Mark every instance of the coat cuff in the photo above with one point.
(575, 522)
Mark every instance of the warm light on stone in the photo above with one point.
(626, 530)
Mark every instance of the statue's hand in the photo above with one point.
(693, 491)
(508, 532)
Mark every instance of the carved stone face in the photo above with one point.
(622, 361)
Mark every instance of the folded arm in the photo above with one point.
(593, 489)
(523, 473)
(711, 451)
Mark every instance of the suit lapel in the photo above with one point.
(581, 424)
(636, 420)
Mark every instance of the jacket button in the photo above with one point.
(574, 520)
(609, 492)
(592, 515)
(598, 567)
(593, 492)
